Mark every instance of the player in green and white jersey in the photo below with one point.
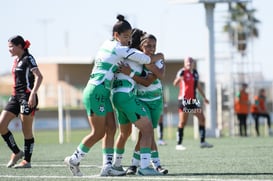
(96, 98)
(150, 93)
(131, 111)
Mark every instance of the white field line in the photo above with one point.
(164, 177)
(57, 165)
(97, 177)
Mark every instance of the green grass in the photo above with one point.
(232, 158)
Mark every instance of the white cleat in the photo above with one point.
(148, 172)
(74, 168)
(109, 170)
(14, 158)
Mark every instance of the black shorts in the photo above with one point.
(189, 105)
(19, 105)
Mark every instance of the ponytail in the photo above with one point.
(19, 40)
(27, 44)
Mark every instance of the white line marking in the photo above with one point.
(58, 165)
(122, 178)
(98, 177)
(164, 177)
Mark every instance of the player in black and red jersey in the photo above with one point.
(23, 101)
(188, 80)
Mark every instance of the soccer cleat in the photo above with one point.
(161, 142)
(23, 164)
(205, 145)
(180, 147)
(105, 170)
(132, 170)
(14, 158)
(74, 168)
(109, 170)
(162, 170)
(120, 168)
(148, 171)
(117, 171)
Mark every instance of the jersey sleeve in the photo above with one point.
(132, 54)
(159, 63)
(180, 73)
(31, 62)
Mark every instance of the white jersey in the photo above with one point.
(109, 54)
(124, 83)
(153, 91)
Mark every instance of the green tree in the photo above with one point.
(241, 26)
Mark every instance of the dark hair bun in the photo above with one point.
(120, 17)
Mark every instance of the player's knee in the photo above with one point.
(3, 129)
(124, 135)
(147, 128)
(111, 132)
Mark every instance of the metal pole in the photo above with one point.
(60, 114)
(68, 125)
(210, 79)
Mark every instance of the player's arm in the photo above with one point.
(145, 80)
(178, 78)
(157, 68)
(38, 81)
(132, 54)
(156, 57)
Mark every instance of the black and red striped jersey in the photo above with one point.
(188, 84)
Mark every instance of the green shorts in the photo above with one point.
(128, 108)
(154, 110)
(96, 99)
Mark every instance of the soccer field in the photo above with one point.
(232, 158)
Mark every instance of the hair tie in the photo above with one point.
(27, 44)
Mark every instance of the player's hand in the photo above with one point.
(124, 68)
(32, 100)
